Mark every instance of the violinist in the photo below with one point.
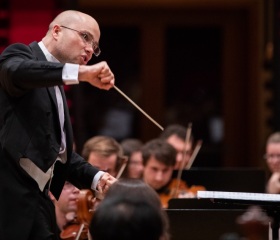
(272, 157)
(105, 153)
(159, 159)
(132, 149)
(175, 135)
(130, 210)
(66, 206)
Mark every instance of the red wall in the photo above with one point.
(29, 19)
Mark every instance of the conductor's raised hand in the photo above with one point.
(98, 75)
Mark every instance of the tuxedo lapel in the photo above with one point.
(40, 56)
(67, 121)
(67, 124)
(37, 51)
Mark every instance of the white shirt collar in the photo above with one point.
(47, 54)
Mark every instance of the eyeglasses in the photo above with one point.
(88, 39)
(270, 156)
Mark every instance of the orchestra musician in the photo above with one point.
(131, 209)
(175, 134)
(125, 189)
(66, 205)
(159, 159)
(272, 157)
(105, 153)
(132, 149)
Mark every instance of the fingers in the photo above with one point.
(110, 181)
(98, 75)
(105, 182)
(106, 77)
(103, 179)
(106, 82)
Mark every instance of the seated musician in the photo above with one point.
(175, 134)
(132, 149)
(130, 210)
(159, 159)
(272, 157)
(104, 153)
(66, 206)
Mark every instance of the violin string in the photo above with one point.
(140, 109)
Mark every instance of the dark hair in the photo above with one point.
(131, 209)
(161, 150)
(130, 146)
(174, 129)
(126, 219)
(134, 189)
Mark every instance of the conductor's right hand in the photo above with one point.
(98, 75)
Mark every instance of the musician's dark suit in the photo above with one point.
(31, 130)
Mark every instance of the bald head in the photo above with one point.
(72, 37)
(72, 18)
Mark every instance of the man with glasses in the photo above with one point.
(272, 158)
(36, 139)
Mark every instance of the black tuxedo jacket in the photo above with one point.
(31, 129)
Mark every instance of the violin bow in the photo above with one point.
(123, 166)
(140, 109)
(187, 140)
(194, 154)
(80, 231)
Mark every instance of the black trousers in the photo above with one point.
(45, 227)
(26, 213)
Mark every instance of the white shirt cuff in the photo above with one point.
(96, 179)
(70, 73)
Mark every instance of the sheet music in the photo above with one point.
(239, 196)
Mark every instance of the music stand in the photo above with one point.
(268, 202)
(226, 179)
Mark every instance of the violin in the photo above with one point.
(77, 229)
(179, 189)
